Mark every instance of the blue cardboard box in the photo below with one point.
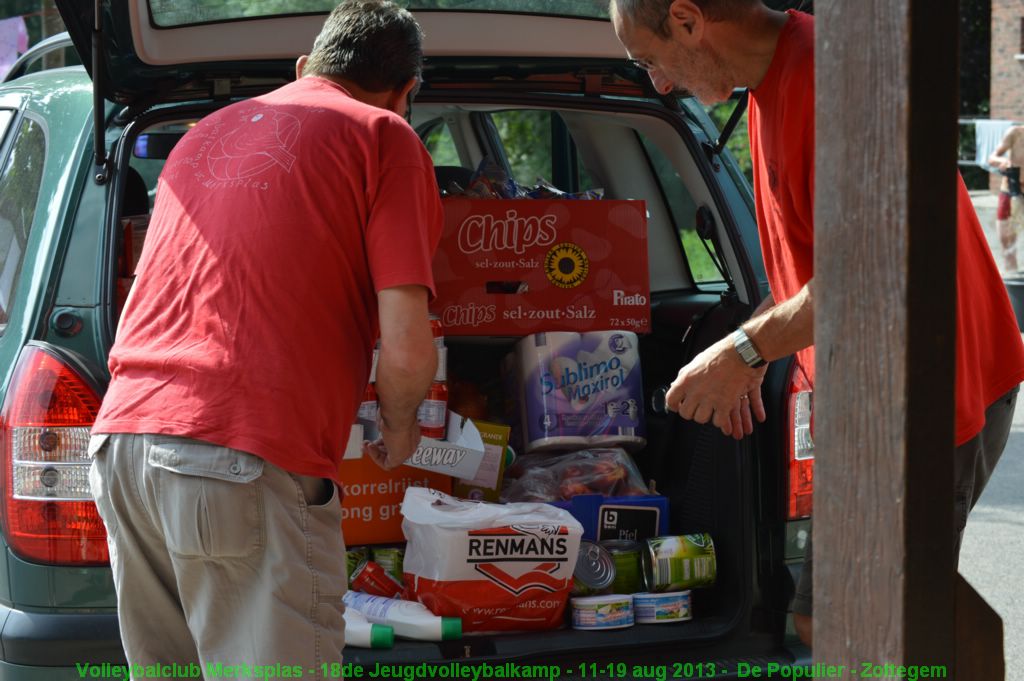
(635, 518)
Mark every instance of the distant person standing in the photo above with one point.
(1010, 213)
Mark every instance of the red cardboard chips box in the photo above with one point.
(516, 267)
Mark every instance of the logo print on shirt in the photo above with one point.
(263, 139)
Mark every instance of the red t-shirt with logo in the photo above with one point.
(989, 352)
(253, 317)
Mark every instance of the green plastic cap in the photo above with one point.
(451, 628)
(382, 636)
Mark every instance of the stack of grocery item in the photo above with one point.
(619, 583)
(524, 508)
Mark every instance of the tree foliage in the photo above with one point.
(526, 136)
(33, 11)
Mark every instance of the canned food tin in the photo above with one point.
(628, 572)
(353, 558)
(391, 559)
(662, 608)
(679, 563)
(595, 570)
(602, 612)
(371, 578)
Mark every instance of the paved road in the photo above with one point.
(992, 558)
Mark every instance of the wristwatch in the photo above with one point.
(745, 347)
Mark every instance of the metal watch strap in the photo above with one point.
(745, 347)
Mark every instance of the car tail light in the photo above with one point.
(800, 445)
(48, 513)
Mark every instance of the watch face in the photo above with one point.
(748, 353)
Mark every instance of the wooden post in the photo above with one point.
(885, 291)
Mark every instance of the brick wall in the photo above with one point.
(1007, 70)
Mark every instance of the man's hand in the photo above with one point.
(718, 386)
(394, 446)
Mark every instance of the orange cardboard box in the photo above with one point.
(372, 508)
(517, 267)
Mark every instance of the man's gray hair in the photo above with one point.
(652, 14)
(374, 43)
(649, 14)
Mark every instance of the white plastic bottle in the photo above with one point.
(408, 618)
(359, 633)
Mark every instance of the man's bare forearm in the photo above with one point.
(780, 330)
(766, 304)
(401, 387)
(408, 360)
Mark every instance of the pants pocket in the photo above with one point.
(99, 487)
(209, 498)
(322, 500)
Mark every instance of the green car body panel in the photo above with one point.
(61, 101)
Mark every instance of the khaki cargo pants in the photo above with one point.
(220, 559)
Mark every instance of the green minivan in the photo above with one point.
(544, 88)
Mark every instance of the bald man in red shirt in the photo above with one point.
(711, 47)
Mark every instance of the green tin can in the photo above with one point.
(628, 572)
(391, 558)
(353, 557)
(679, 563)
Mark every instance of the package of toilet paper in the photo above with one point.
(579, 390)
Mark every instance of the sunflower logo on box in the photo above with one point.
(566, 265)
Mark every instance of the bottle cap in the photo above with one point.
(451, 628)
(381, 636)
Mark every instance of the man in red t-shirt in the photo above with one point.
(288, 230)
(711, 47)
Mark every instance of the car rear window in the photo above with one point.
(538, 147)
(699, 254)
(20, 178)
(171, 13)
